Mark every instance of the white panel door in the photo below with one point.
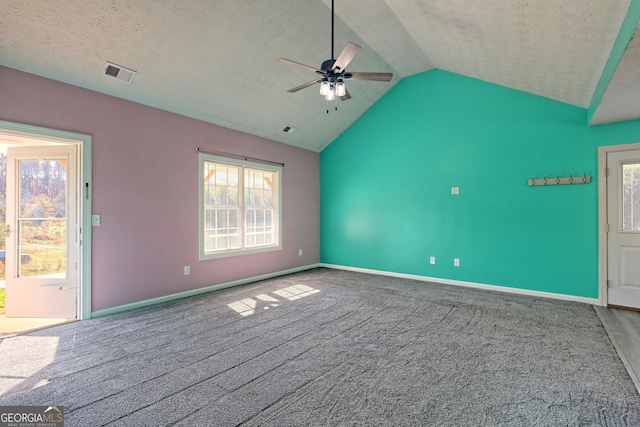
(41, 232)
(623, 238)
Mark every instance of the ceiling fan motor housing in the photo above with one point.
(330, 75)
(326, 65)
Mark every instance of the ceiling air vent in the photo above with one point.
(118, 72)
(289, 130)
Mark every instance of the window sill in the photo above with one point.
(240, 252)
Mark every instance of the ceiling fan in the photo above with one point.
(332, 73)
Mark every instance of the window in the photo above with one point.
(631, 197)
(239, 207)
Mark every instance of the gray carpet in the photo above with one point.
(329, 348)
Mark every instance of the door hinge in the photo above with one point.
(606, 228)
(606, 172)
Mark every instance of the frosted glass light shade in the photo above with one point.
(324, 88)
(331, 95)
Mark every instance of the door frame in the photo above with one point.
(84, 192)
(603, 240)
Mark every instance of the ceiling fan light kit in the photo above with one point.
(333, 73)
(330, 95)
(324, 88)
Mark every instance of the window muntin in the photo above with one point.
(239, 207)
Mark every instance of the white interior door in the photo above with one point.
(623, 237)
(41, 233)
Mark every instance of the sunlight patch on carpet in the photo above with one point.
(249, 306)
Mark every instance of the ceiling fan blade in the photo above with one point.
(379, 77)
(346, 56)
(346, 95)
(299, 65)
(297, 88)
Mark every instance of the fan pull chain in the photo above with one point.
(336, 107)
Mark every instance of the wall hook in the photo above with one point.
(558, 180)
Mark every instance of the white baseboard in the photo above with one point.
(185, 294)
(584, 300)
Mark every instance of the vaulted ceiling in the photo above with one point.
(215, 60)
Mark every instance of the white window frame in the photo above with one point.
(277, 246)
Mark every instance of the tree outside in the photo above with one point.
(42, 223)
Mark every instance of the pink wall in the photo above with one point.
(145, 187)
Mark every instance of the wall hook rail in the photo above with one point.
(558, 180)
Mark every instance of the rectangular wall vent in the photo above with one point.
(119, 72)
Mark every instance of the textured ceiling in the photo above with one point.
(621, 101)
(216, 60)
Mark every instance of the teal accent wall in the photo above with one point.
(386, 201)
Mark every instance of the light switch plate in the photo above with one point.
(95, 220)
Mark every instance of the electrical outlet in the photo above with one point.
(299, 252)
(455, 190)
(187, 270)
(432, 260)
(456, 262)
(95, 220)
